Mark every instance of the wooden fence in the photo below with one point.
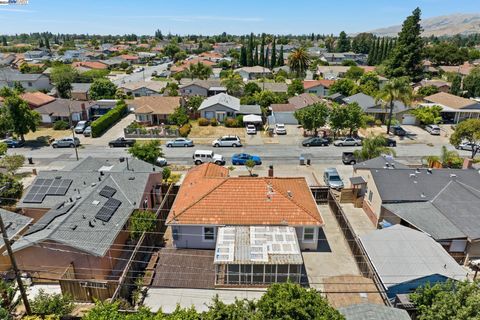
(320, 194)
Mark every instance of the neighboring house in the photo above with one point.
(82, 217)
(375, 108)
(284, 112)
(463, 69)
(303, 100)
(318, 87)
(29, 81)
(36, 55)
(143, 88)
(454, 108)
(224, 47)
(100, 107)
(131, 59)
(252, 73)
(70, 55)
(223, 106)
(441, 85)
(64, 109)
(405, 259)
(203, 88)
(186, 64)
(154, 110)
(440, 202)
(6, 59)
(15, 225)
(80, 91)
(36, 99)
(370, 311)
(273, 86)
(332, 72)
(339, 57)
(278, 213)
(92, 65)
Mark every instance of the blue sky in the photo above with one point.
(216, 16)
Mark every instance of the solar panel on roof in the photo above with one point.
(109, 208)
(43, 187)
(108, 192)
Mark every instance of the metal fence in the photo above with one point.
(150, 133)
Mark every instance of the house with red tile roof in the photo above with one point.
(318, 87)
(93, 65)
(36, 99)
(209, 199)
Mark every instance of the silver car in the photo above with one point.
(349, 141)
(179, 142)
(227, 141)
(433, 129)
(332, 178)
(68, 142)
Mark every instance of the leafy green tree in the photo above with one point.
(193, 103)
(343, 44)
(354, 73)
(313, 117)
(396, 89)
(362, 42)
(251, 88)
(13, 192)
(102, 89)
(179, 56)
(299, 60)
(456, 87)
(281, 59)
(104, 311)
(54, 304)
(21, 118)
(149, 151)
(250, 164)
(346, 87)
(200, 71)
(4, 41)
(427, 91)
(406, 57)
(142, 221)
(7, 299)
(471, 83)
(446, 53)
(349, 116)
(170, 50)
(3, 148)
(372, 147)
(179, 117)
(12, 163)
(295, 88)
(265, 98)
(349, 63)
(62, 77)
(233, 83)
(428, 114)
(369, 84)
(291, 301)
(467, 130)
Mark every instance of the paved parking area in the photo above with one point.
(333, 258)
(111, 134)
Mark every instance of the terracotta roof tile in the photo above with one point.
(90, 65)
(36, 99)
(307, 84)
(208, 196)
(155, 104)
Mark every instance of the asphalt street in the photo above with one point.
(145, 75)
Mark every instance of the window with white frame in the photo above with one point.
(208, 233)
(308, 234)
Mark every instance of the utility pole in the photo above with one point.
(14, 262)
(71, 124)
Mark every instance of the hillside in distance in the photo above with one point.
(460, 23)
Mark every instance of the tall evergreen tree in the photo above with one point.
(243, 56)
(4, 41)
(262, 51)
(406, 57)
(255, 57)
(382, 51)
(343, 44)
(40, 43)
(273, 60)
(250, 51)
(280, 60)
(267, 53)
(371, 53)
(456, 87)
(47, 44)
(312, 37)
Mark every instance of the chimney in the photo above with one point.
(467, 163)
(270, 171)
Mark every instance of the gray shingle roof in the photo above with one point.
(250, 109)
(425, 217)
(368, 104)
(400, 254)
(370, 311)
(14, 223)
(380, 163)
(81, 87)
(222, 99)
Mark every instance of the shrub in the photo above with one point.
(57, 304)
(369, 120)
(239, 120)
(142, 221)
(378, 122)
(203, 122)
(103, 123)
(230, 123)
(213, 122)
(184, 130)
(60, 125)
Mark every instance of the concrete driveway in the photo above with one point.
(111, 134)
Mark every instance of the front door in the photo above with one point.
(221, 116)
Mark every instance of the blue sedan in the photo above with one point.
(12, 143)
(241, 158)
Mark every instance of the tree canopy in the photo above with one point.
(148, 151)
(428, 114)
(372, 147)
(295, 88)
(312, 117)
(346, 87)
(102, 89)
(62, 77)
(396, 89)
(18, 117)
(467, 130)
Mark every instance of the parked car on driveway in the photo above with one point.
(315, 142)
(121, 142)
(349, 158)
(348, 141)
(179, 142)
(227, 141)
(251, 129)
(80, 127)
(241, 159)
(433, 129)
(398, 131)
(13, 143)
(280, 129)
(467, 146)
(204, 156)
(68, 142)
(332, 178)
(161, 162)
(390, 142)
(87, 132)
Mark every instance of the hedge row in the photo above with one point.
(103, 123)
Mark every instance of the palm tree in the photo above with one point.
(397, 89)
(234, 84)
(372, 147)
(299, 61)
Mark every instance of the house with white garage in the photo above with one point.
(454, 108)
(223, 106)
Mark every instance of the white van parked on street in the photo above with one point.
(204, 156)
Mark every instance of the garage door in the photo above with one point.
(409, 119)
